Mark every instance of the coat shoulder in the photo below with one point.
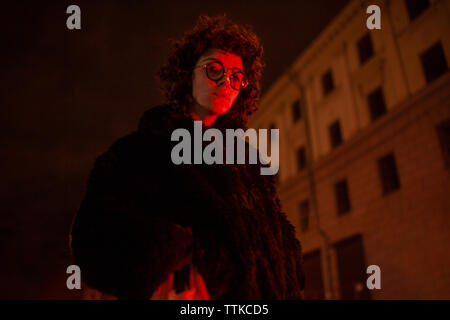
(156, 118)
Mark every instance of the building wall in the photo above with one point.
(405, 232)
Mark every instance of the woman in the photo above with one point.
(146, 222)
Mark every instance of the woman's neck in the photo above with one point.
(198, 113)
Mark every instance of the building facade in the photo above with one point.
(364, 119)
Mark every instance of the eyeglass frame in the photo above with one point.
(224, 72)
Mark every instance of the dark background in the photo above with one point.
(67, 95)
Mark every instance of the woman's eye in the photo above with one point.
(236, 79)
(214, 69)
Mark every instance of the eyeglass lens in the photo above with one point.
(215, 71)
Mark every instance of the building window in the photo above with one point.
(416, 7)
(365, 48)
(312, 267)
(443, 130)
(327, 82)
(335, 134)
(301, 158)
(351, 265)
(377, 105)
(296, 111)
(433, 62)
(304, 215)
(388, 173)
(342, 197)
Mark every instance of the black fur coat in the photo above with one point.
(126, 236)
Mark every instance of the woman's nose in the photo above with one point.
(225, 79)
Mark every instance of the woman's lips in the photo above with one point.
(220, 95)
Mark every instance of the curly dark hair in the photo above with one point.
(221, 33)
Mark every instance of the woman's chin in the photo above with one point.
(221, 109)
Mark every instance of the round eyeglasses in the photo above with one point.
(215, 71)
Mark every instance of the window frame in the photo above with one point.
(372, 106)
(305, 160)
(388, 173)
(296, 111)
(305, 213)
(335, 128)
(363, 58)
(414, 15)
(328, 85)
(342, 195)
(429, 61)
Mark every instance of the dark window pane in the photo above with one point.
(443, 130)
(377, 105)
(304, 215)
(352, 268)
(301, 158)
(327, 82)
(313, 274)
(365, 48)
(335, 134)
(342, 197)
(388, 173)
(433, 62)
(416, 7)
(296, 112)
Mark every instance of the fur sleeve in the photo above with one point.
(122, 238)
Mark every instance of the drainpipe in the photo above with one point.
(325, 246)
(397, 47)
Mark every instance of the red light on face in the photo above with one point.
(216, 95)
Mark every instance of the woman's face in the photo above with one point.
(215, 96)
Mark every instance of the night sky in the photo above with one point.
(67, 95)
